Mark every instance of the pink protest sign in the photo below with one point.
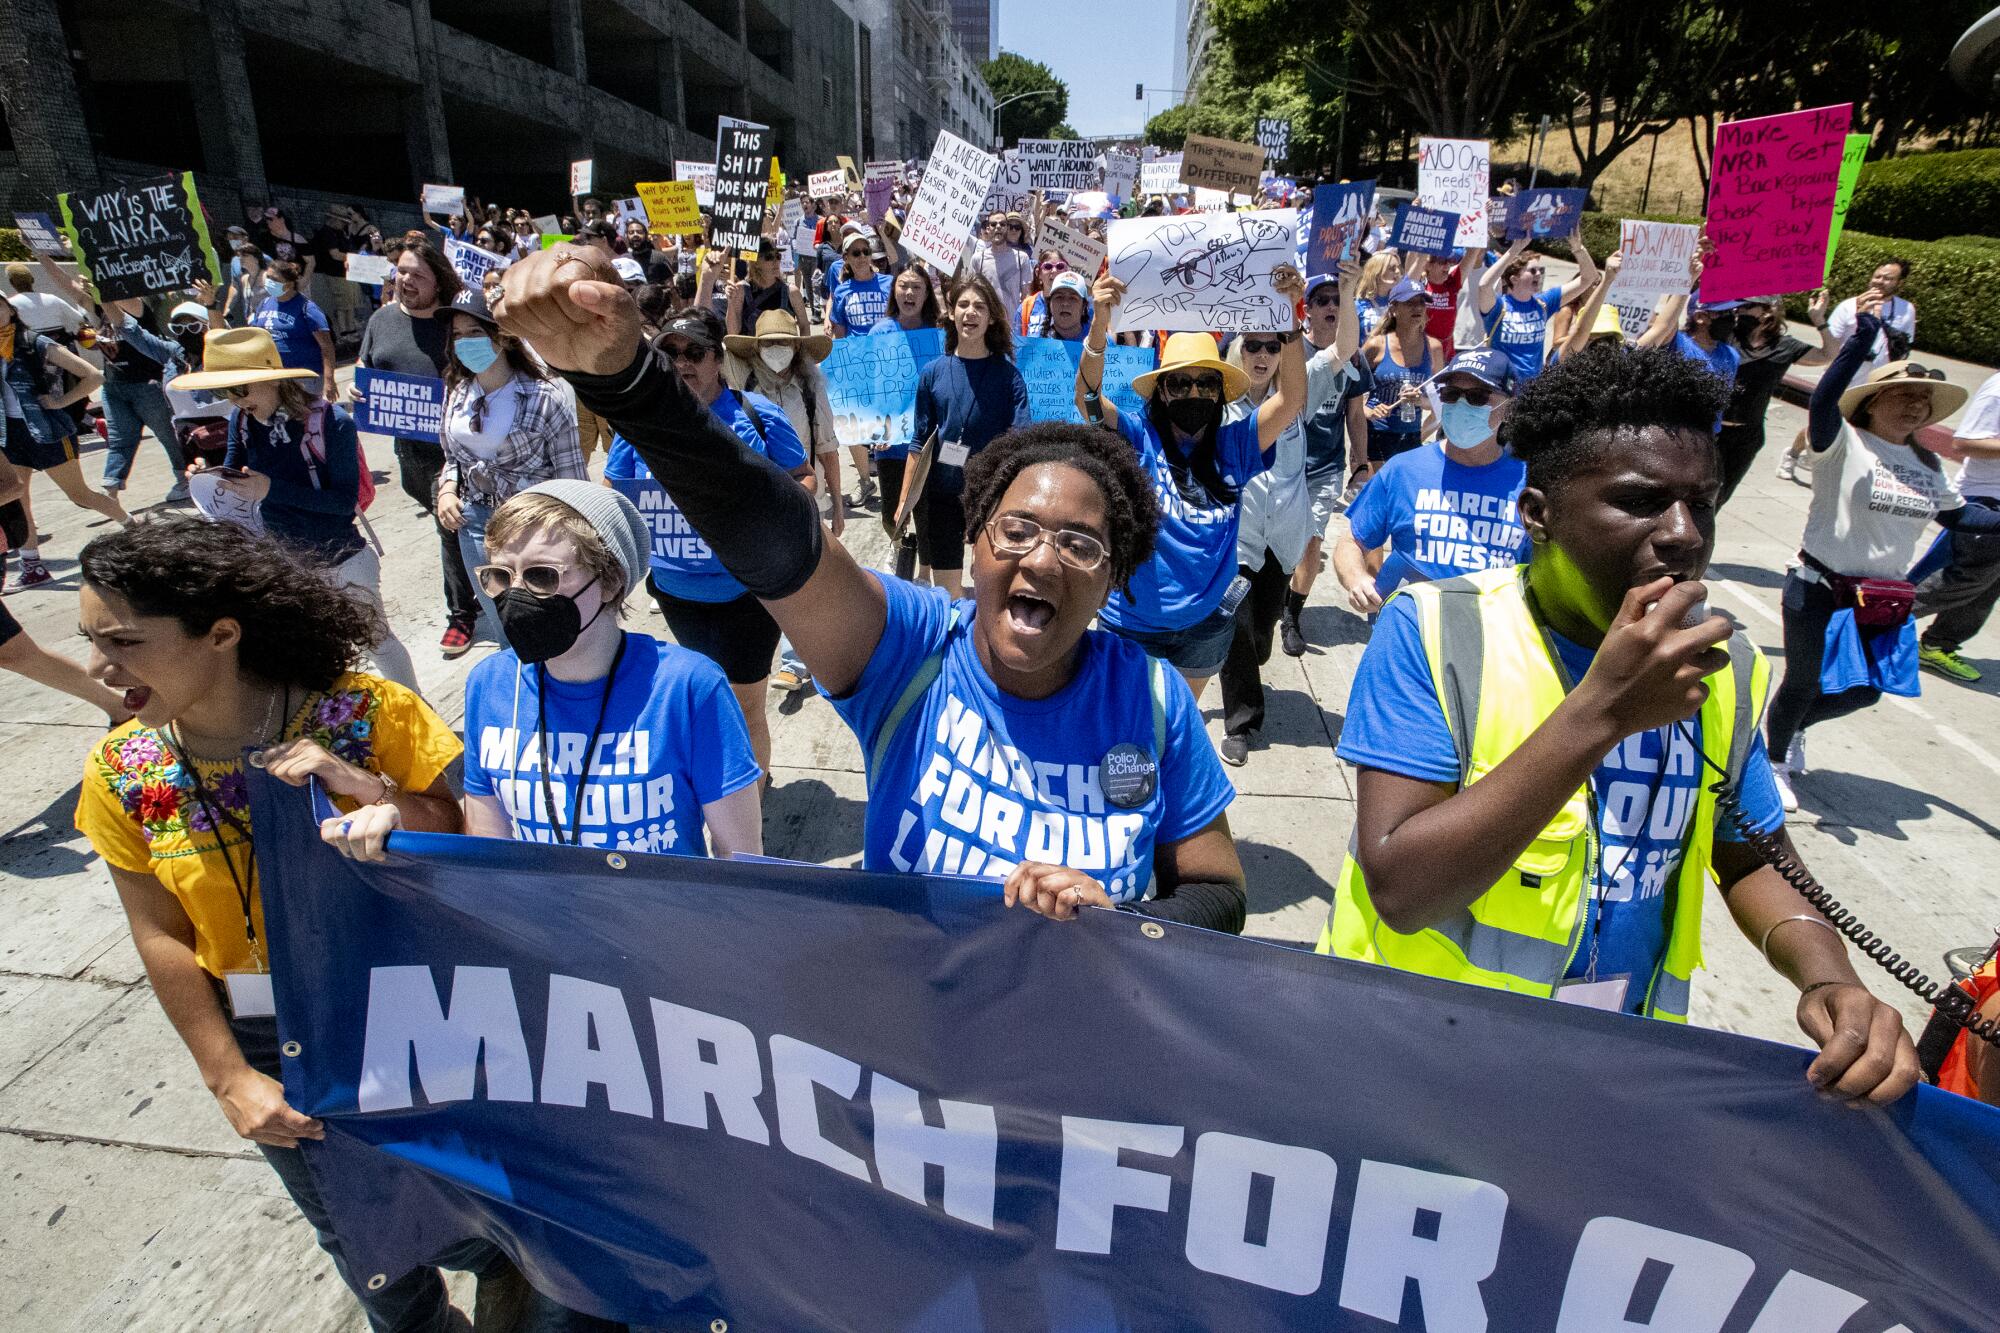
(1770, 202)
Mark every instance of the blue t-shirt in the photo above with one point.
(859, 302)
(292, 325)
(683, 564)
(968, 403)
(1519, 327)
(974, 780)
(1644, 806)
(1194, 556)
(1722, 362)
(1440, 517)
(673, 740)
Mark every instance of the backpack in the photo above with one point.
(313, 446)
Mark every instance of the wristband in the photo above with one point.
(1817, 984)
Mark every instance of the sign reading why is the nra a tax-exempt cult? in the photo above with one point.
(141, 239)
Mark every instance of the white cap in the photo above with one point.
(189, 310)
(629, 268)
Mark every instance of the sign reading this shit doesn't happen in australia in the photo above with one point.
(742, 184)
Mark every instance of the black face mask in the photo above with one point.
(1722, 327)
(539, 628)
(1193, 415)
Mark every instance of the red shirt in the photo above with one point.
(1955, 1076)
(1442, 299)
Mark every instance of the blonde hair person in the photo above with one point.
(1371, 295)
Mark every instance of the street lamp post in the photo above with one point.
(1033, 92)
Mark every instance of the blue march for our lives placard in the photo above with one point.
(1426, 230)
(410, 407)
(1048, 365)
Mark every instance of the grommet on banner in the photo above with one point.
(379, 1281)
(1152, 930)
(718, 1326)
(615, 860)
(291, 1048)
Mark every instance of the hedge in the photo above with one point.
(1600, 233)
(13, 248)
(1929, 196)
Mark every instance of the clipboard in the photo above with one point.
(914, 477)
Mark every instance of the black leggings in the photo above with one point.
(1798, 703)
(1256, 619)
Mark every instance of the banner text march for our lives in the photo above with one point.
(1771, 191)
(819, 1109)
(409, 407)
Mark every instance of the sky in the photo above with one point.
(1100, 48)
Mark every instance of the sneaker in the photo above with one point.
(1788, 468)
(1291, 638)
(1782, 775)
(1236, 750)
(33, 574)
(866, 495)
(456, 640)
(789, 682)
(1795, 754)
(177, 494)
(1947, 663)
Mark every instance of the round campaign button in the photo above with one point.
(1128, 775)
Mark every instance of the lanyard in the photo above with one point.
(218, 817)
(574, 834)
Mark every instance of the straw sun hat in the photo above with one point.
(1193, 351)
(232, 357)
(1946, 397)
(778, 326)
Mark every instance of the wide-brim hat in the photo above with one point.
(778, 326)
(230, 357)
(1946, 397)
(1193, 351)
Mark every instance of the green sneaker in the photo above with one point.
(1947, 663)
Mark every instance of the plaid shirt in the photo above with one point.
(541, 442)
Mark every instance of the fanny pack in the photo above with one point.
(1877, 603)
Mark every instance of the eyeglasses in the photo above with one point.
(1254, 346)
(1018, 537)
(1323, 298)
(541, 580)
(1054, 266)
(692, 353)
(1451, 393)
(1181, 386)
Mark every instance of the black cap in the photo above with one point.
(691, 326)
(471, 302)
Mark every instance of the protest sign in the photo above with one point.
(471, 262)
(792, 1114)
(625, 210)
(1545, 214)
(135, 240)
(1048, 367)
(552, 239)
(1059, 164)
(872, 384)
(1770, 202)
(444, 200)
(370, 270)
(1655, 262)
(827, 184)
(702, 176)
(774, 192)
(1211, 271)
(581, 176)
(41, 235)
(1008, 192)
(1426, 230)
(545, 225)
(1452, 177)
(1121, 175)
(1340, 215)
(1082, 251)
(670, 207)
(742, 184)
(883, 171)
(848, 172)
(1161, 176)
(410, 407)
(1851, 158)
(1216, 201)
(1221, 164)
(1274, 136)
(878, 194)
(219, 503)
(948, 203)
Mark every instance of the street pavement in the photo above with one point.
(127, 1203)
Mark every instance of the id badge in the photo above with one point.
(953, 453)
(250, 995)
(1606, 995)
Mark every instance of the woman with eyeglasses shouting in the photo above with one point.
(1181, 605)
(292, 469)
(1849, 632)
(1516, 309)
(1003, 738)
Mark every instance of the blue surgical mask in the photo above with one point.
(475, 352)
(1465, 425)
(274, 289)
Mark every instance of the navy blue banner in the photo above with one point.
(796, 1098)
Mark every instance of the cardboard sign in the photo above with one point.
(1770, 202)
(370, 270)
(41, 234)
(1655, 262)
(626, 210)
(1425, 230)
(1048, 368)
(827, 184)
(879, 171)
(1059, 164)
(1211, 271)
(742, 184)
(1452, 177)
(1851, 158)
(1545, 214)
(1079, 249)
(847, 171)
(774, 191)
(1008, 192)
(545, 225)
(948, 204)
(444, 200)
(471, 262)
(1121, 175)
(1220, 164)
(670, 207)
(1274, 136)
(1340, 218)
(581, 176)
(1161, 176)
(410, 407)
(702, 176)
(879, 194)
(135, 240)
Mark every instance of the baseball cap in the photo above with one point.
(1070, 282)
(691, 327)
(471, 302)
(1489, 367)
(1406, 289)
(188, 310)
(1716, 306)
(629, 268)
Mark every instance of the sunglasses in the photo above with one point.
(1181, 386)
(1254, 346)
(1322, 299)
(1914, 371)
(235, 392)
(1451, 393)
(692, 353)
(183, 327)
(1534, 272)
(1014, 226)
(541, 580)
(1018, 537)
(1055, 266)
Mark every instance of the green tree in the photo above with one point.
(1063, 131)
(1032, 117)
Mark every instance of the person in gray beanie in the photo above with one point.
(580, 731)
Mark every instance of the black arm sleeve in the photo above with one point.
(757, 519)
(1210, 904)
(1974, 519)
(1823, 415)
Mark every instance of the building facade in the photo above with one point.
(303, 103)
(917, 79)
(1197, 31)
(977, 23)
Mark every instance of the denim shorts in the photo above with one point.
(1198, 650)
